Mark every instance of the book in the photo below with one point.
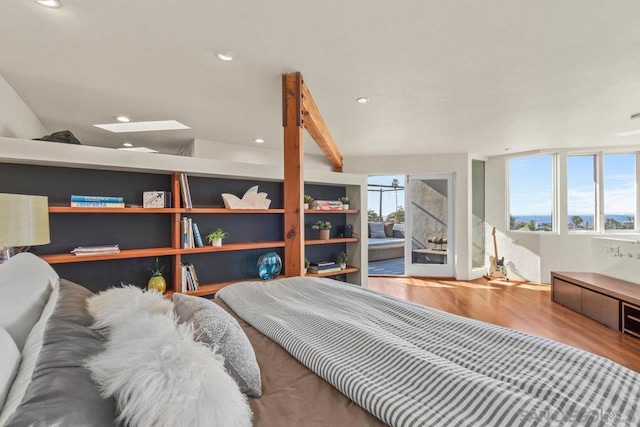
(96, 250)
(323, 264)
(97, 205)
(197, 236)
(323, 271)
(106, 199)
(186, 192)
(185, 233)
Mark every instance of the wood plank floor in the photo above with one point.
(526, 307)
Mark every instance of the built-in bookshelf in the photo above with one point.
(146, 233)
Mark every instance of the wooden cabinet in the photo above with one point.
(605, 299)
(144, 234)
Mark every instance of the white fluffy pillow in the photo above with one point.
(110, 307)
(160, 377)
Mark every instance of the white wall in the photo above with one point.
(206, 149)
(460, 164)
(533, 256)
(16, 119)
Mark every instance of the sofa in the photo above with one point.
(386, 241)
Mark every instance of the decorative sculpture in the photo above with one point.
(251, 200)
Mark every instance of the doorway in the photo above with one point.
(386, 225)
(429, 243)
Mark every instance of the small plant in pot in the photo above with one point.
(157, 282)
(345, 202)
(323, 227)
(307, 199)
(342, 259)
(215, 238)
(306, 265)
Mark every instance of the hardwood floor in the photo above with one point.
(523, 306)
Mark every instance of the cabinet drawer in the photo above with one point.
(631, 319)
(567, 294)
(601, 308)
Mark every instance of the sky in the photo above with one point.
(388, 197)
(530, 185)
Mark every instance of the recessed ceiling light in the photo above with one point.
(139, 149)
(143, 126)
(258, 141)
(49, 3)
(630, 133)
(225, 55)
(127, 144)
(123, 119)
(362, 100)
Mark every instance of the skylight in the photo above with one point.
(143, 126)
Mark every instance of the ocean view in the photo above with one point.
(546, 219)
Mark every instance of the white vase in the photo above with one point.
(216, 242)
(345, 206)
(343, 266)
(323, 234)
(306, 206)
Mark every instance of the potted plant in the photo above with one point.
(157, 282)
(342, 259)
(215, 238)
(323, 227)
(307, 199)
(345, 202)
(306, 265)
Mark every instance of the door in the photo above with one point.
(429, 241)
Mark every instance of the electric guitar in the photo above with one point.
(497, 269)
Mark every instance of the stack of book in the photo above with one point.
(96, 250)
(323, 267)
(329, 205)
(191, 237)
(96, 202)
(186, 192)
(189, 278)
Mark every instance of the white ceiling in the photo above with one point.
(443, 76)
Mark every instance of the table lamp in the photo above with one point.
(24, 221)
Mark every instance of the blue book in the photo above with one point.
(103, 199)
(197, 236)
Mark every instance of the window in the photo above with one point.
(581, 192)
(619, 191)
(531, 201)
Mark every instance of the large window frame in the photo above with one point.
(560, 189)
(554, 195)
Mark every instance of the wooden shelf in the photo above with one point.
(67, 209)
(212, 288)
(321, 212)
(212, 210)
(131, 253)
(330, 241)
(227, 247)
(349, 269)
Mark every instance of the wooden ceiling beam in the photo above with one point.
(317, 128)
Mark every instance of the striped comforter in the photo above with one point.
(411, 365)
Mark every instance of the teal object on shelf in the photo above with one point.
(269, 266)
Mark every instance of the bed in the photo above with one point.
(329, 353)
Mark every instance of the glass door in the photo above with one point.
(429, 246)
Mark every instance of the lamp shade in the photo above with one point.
(24, 220)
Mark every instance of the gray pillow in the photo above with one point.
(376, 230)
(61, 392)
(215, 326)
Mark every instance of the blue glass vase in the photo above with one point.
(269, 266)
